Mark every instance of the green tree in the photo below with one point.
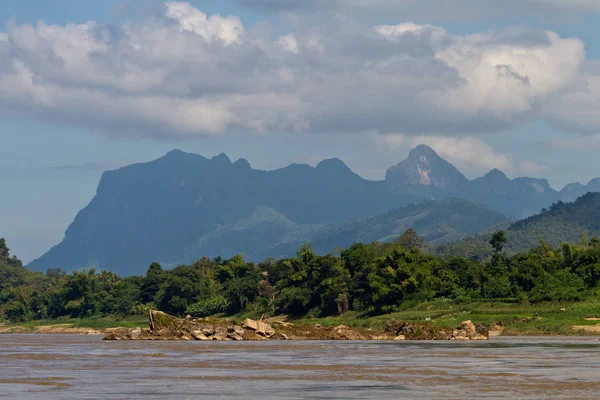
(410, 240)
(498, 241)
(151, 283)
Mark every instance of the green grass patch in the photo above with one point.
(517, 319)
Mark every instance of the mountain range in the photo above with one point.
(183, 206)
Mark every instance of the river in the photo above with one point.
(85, 367)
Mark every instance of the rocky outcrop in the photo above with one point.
(408, 331)
(166, 327)
(258, 327)
(342, 332)
(469, 331)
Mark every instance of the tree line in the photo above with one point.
(371, 278)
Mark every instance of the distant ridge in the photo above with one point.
(183, 206)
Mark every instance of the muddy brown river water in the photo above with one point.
(85, 367)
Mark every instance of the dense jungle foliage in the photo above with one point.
(371, 278)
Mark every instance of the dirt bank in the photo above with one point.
(54, 329)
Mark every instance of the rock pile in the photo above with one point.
(167, 327)
(469, 331)
(342, 332)
(465, 331)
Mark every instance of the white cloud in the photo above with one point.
(408, 28)
(467, 153)
(187, 73)
(289, 43)
(577, 110)
(228, 29)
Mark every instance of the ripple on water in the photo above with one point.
(39, 366)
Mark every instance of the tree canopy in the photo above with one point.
(370, 278)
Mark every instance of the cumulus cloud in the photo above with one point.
(467, 153)
(576, 110)
(228, 29)
(289, 43)
(186, 73)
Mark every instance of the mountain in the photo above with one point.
(162, 210)
(426, 174)
(183, 206)
(562, 222)
(437, 221)
(517, 198)
(573, 191)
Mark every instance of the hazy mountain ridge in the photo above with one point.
(437, 221)
(158, 210)
(426, 174)
(183, 206)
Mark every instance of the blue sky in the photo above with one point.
(288, 81)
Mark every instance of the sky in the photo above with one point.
(90, 86)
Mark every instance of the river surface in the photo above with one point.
(85, 367)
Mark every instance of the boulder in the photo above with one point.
(250, 324)
(221, 336)
(393, 326)
(159, 320)
(252, 337)
(135, 333)
(199, 335)
(469, 331)
(342, 332)
(279, 336)
(396, 328)
(236, 329)
(400, 337)
(235, 336)
(380, 337)
(113, 336)
(220, 329)
(207, 330)
(260, 328)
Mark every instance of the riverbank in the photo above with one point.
(506, 319)
(502, 318)
(99, 325)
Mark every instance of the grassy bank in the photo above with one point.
(517, 319)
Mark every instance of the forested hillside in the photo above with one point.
(561, 222)
(437, 222)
